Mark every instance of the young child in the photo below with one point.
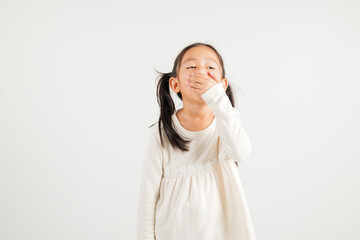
(190, 186)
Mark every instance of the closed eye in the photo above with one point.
(194, 66)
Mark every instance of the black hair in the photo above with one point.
(167, 107)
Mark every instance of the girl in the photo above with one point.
(190, 187)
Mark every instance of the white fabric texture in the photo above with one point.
(197, 195)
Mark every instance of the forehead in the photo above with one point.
(200, 53)
(199, 58)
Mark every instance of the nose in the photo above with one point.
(202, 70)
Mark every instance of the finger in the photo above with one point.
(197, 80)
(195, 85)
(205, 76)
(193, 89)
(212, 75)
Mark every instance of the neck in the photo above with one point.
(196, 111)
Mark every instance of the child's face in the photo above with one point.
(200, 59)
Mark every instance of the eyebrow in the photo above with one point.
(210, 59)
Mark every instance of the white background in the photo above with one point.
(77, 94)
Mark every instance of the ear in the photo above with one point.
(225, 83)
(174, 84)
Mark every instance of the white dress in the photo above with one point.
(197, 195)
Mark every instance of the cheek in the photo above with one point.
(184, 80)
(184, 87)
(182, 84)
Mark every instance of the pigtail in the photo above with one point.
(167, 109)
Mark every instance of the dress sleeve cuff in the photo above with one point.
(210, 95)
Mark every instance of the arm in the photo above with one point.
(236, 142)
(149, 187)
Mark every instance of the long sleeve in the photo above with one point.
(228, 122)
(151, 175)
